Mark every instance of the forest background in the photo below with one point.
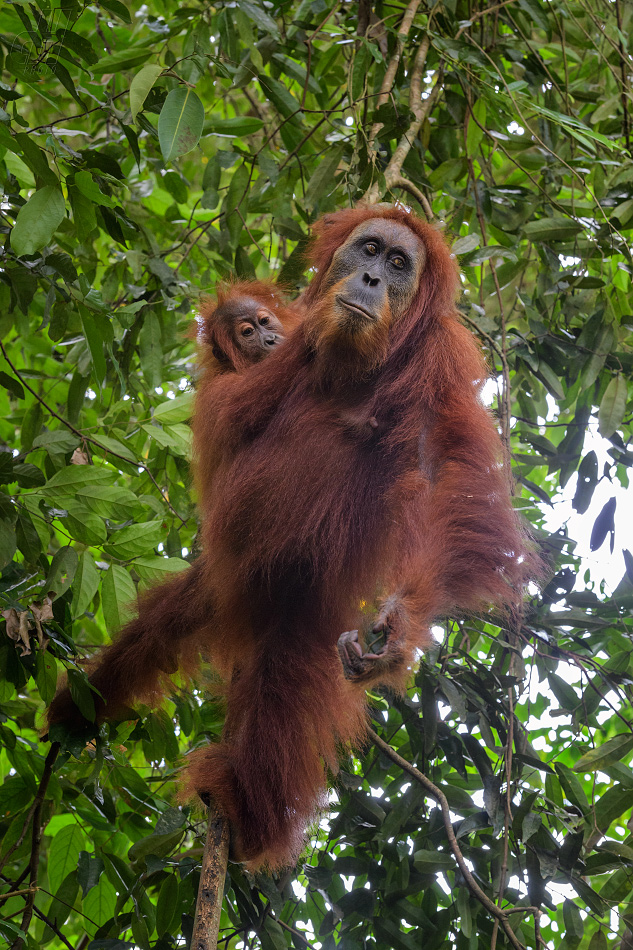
(147, 151)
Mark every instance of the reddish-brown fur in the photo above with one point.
(303, 519)
(216, 335)
(425, 512)
(160, 641)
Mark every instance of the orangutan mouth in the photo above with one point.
(355, 308)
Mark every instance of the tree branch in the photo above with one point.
(393, 171)
(440, 798)
(211, 890)
(36, 837)
(394, 62)
(407, 185)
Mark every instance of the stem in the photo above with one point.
(36, 838)
(211, 890)
(623, 65)
(392, 68)
(442, 801)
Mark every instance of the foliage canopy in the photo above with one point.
(147, 152)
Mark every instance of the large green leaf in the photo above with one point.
(38, 220)
(180, 123)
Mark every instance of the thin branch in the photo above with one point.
(505, 402)
(503, 875)
(211, 890)
(88, 438)
(623, 73)
(51, 923)
(308, 43)
(36, 838)
(407, 185)
(393, 171)
(477, 16)
(311, 132)
(440, 798)
(21, 893)
(394, 62)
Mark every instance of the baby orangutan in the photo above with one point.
(246, 324)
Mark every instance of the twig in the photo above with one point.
(79, 115)
(20, 893)
(505, 401)
(390, 75)
(407, 185)
(51, 923)
(252, 236)
(393, 171)
(476, 16)
(88, 438)
(311, 132)
(623, 71)
(36, 837)
(308, 43)
(211, 890)
(440, 798)
(508, 814)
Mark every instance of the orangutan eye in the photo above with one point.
(371, 249)
(246, 331)
(398, 262)
(264, 321)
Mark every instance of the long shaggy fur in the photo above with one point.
(304, 517)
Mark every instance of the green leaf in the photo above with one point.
(64, 854)
(612, 406)
(180, 123)
(153, 570)
(235, 203)
(466, 244)
(284, 101)
(95, 343)
(573, 923)
(151, 350)
(555, 228)
(72, 478)
(62, 571)
(85, 584)
(90, 189)
(141, 85)
(84, 525)
(8, 542)
(476, 126)
(113, 445)
(38, 220)
(118, 598)
(109, 501)
(323, 181)
(46, 675)
(135, 540)
(236, 125)
(167, 904)
(598, 941)
(175, 410)
(100, 902)
(358, 74)
(613, 803)
(430, 862)
(613, 750)
(259, 16)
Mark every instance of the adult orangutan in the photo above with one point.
(358, 458)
